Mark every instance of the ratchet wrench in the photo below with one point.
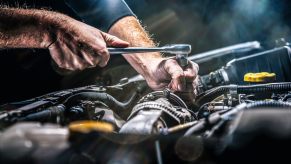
(180, 50)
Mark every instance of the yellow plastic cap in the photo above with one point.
(260, 77)
(89, 126)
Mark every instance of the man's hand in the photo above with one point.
(79, 46)
(73, 45)
(167, 73)
(158, 72)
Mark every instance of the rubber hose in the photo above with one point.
(273, 87)
(270, 104)
(255, 105)
(104, 97)
(46, 115)
(230, 114)
(243, 89)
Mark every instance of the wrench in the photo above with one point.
(180, 50)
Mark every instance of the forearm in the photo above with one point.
(129, 29)
(24, 28)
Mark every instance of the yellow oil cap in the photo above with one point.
(89, 126)
(260, 77)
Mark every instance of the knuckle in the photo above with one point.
(106, 59)
(96, 60)
(63, 66)
(196, 66)
(91, 62)
(170, 62)
(191, 76)
(70, 67)
(79, 67)
(67, 67)
(178, 74)
(111, 38)
(102, 64)
(103, 52)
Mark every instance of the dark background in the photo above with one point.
(208, 24)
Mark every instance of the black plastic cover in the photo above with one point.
(276, 61)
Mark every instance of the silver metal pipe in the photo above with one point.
(242, 47)
(158, 152)
(171, 49)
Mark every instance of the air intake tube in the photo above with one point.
(276, 61)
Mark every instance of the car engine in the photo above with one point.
(241, 113)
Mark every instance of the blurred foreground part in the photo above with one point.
(254, 138)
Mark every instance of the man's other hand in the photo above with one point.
(78, 46)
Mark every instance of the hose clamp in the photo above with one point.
(233, 89)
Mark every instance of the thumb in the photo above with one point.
(114, 41)
(177, 75)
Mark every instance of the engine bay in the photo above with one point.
(240, 109)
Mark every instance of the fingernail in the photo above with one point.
(102, 64)
(180, 87)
